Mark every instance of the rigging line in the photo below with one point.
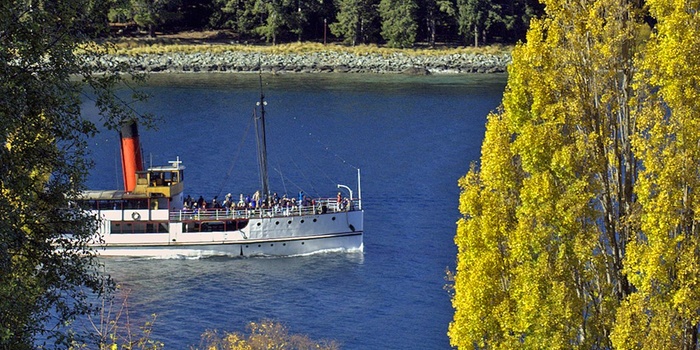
(235, 159)
(298, 150)
(284, 185)
(119, 100)
(325, 146)
(306, 178)
(320, 169)
(314, 163)
(295, 185)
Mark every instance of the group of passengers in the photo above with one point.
(249, 203)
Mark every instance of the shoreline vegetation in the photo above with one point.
(172, 55)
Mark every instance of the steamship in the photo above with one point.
(149, 218)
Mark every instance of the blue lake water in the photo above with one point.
(412, 138)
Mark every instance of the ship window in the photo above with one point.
(136, 204)
(162, 203)
(315, 220)
(118, 227)
(333, 218)
(302, 221)
(289, 222)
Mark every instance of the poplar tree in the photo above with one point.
(47, 270)
(663, 258)
(580, 220)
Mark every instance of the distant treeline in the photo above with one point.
(397, 23)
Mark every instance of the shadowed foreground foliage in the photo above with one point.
(47, 270)
(263, 335)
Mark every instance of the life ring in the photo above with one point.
(136, 216)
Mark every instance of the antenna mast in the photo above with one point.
(262, 142)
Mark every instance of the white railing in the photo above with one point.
(323, 205)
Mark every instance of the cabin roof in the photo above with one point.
(166, 168)
(110, 195)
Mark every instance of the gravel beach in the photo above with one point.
(316, 62)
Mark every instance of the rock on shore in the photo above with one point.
(316, 62)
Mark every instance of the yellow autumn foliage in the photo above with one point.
(580, 225)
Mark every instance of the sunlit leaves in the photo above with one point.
(588, 189)
(663, 260)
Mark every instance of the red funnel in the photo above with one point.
(131, 154)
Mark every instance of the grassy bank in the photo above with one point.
(133, 47)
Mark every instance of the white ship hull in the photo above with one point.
(125, 233)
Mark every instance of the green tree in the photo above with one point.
(46, 268)
(150, 14)
(435, 14)
(549, 213)
(356, 20)
(239, 15)
(399, 25)
(475, 17)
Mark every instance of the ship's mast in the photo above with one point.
(262, 143)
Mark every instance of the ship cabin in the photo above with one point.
(158, 189)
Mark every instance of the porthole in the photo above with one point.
(302, 243)
(259, 245)
(333, 218)
(289, 222)
(272, 244)
(302, 221)
(246, 246)
(258, 224)
(315, 220)
(284, 244)
(277, 222)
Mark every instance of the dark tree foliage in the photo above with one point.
(399, 25)
(357, 21)
(352, 21)
(47, 270)
(437, 21)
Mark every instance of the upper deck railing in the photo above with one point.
(320, 206)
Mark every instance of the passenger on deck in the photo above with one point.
(241, 202)
(227, 203)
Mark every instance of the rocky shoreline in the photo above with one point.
(315, 62)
